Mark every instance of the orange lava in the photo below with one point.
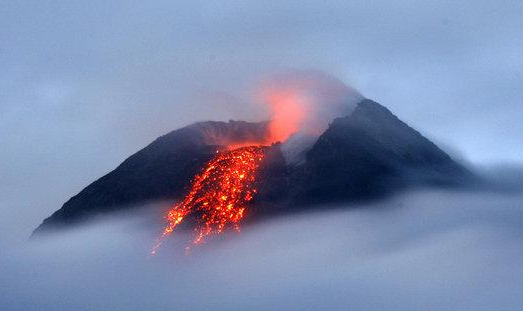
(218, 195)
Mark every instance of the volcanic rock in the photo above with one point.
(367, 154)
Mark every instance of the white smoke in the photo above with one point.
(317, 97)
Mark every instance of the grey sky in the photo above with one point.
(84, 84)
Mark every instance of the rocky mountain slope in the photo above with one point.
(365, 155)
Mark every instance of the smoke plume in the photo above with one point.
(301, 104)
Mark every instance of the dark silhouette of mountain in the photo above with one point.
(371, 153)
(160, 171)
(367, 154)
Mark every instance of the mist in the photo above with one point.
(431, 250)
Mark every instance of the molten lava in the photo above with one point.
(218, 195)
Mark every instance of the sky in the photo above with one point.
(85, 84)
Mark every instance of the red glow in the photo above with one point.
(303, 102)
(218, 195)
(287, 113)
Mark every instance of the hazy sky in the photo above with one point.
(84, 84)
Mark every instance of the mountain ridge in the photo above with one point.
(366, 154)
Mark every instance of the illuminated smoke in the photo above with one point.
(288, 109)
(218, 195)
(304, 102)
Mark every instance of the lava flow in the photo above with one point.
(218, 195)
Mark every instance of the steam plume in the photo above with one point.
(302, 103)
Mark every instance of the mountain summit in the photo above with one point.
(365, 155)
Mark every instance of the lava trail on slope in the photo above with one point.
(218, 195)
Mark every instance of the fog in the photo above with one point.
(429, 250)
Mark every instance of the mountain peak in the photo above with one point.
(366, 154)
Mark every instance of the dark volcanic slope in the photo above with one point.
(159, 171)
(364, 155)
(370, 153)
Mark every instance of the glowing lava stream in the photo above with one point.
(218, 195)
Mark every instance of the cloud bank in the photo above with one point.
(430, 250)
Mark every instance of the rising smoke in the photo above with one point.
(301, 104)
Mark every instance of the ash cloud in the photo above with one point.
(301, 106)
(314, 96)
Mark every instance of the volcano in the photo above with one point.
(365, 155)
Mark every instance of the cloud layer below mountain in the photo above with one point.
(424, 250)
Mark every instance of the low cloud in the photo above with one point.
(431, 250)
